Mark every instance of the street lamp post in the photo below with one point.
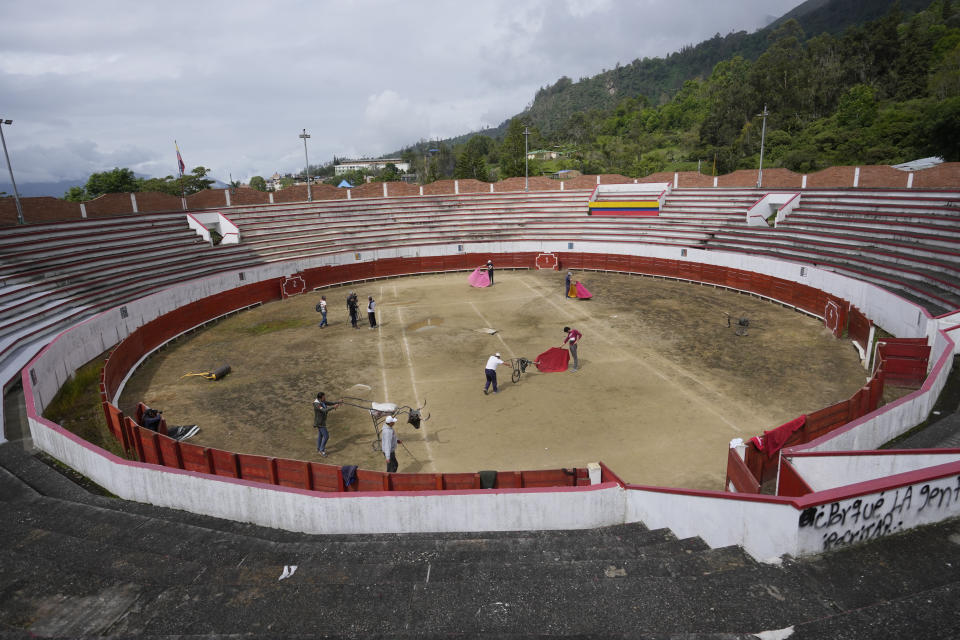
(526, 159)
(16, 194)
(306, 159)
(763, 136)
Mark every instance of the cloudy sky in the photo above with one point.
(94, 85)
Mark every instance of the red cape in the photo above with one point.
(582, 292)
(773, 440)
(553, 359)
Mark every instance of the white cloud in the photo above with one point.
(107, 83)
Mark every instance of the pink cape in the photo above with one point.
(553, 359)
(479, 278)
(582, 292)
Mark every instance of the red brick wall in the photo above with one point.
(580, 182)
(690, 179)
(46, 209)
(42, 209)
(246, 195)
(110, 204)
(537, 183)
(207, 199)
(739, 178)
(400, 189)
(616, 178)
(832, 178)
(942, 176)
(368, 190)
(469, 185)
(438, 188)
(881, 177)
(154, 201)
(663, 176)
(297, 193)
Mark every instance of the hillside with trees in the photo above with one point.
(885, 89)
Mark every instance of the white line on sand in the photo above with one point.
(487, 323)
(698, 399)
(413, 381)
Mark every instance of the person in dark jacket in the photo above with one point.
(320, 410)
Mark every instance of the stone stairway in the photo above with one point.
(78, 564)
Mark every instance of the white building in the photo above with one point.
(346, 166)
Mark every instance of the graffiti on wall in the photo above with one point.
(847, 522)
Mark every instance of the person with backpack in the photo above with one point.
(322, 308)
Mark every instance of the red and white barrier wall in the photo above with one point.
(766, 526)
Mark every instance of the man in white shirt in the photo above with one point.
(388, 444)
(490, 370)
(372, 311)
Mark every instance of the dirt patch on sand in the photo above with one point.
(664, 382)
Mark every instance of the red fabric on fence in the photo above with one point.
(553, 359)
(479, 278)
(582, 292)
(773, 440)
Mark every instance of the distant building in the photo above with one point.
(346, 166)
(543, 154)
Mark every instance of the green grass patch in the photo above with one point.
(77, 408)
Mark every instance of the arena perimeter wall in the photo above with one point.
(767, 527)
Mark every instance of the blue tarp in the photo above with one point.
(344, 185)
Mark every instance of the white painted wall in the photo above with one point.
(877, 514)
(830, 472)
(337, 513)
(766, 529)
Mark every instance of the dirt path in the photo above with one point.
(664, 383)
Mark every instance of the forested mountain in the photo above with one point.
(844, 81)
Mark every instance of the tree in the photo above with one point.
(512, 151)
(258, 183)
(470, 162)
(196, 180)
(858, 107)
(389, 173)
(114, 181)
(76, 194)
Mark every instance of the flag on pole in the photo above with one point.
(179, 159)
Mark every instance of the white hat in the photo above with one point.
(497, 354)
(391, 419)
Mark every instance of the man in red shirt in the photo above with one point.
(573, 337)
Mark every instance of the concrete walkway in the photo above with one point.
(78, 564)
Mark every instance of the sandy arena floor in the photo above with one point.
(664, 383)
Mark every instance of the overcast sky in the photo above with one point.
(94, 85)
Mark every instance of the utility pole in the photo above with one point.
(16, 194)
(763, 136)
(526, 159)
(306, 135)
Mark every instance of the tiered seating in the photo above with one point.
(906, 242)
(59, 273)
(54, 275)
(126, 569)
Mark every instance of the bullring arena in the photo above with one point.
(852, 282)
(664, 382)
